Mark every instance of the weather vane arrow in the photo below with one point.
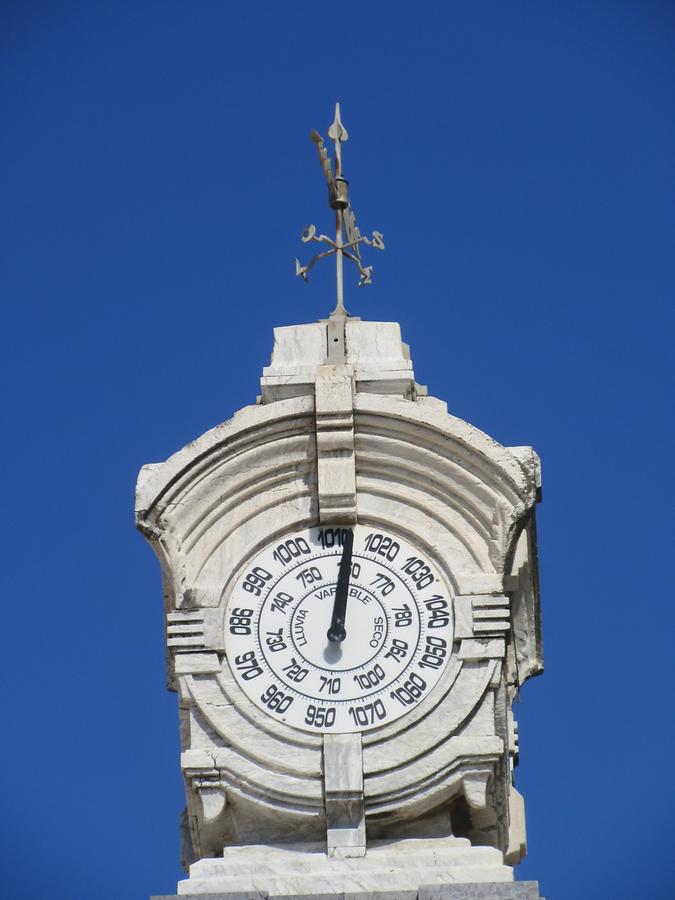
(348, 238)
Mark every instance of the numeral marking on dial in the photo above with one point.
(383, 583)
(320, 717)
(385, 546)
(330, 685)
(247, 664)
(255, 580)
(294, 671)
(402, 616)
(355, 570)
(276, 700)
(371, 678)
(240, 621)
(398, 650)
(438, 607)
(291, 549)
(434, 652)
(309, 576)
(418, 571)
(281, 601)
(275, 641)
(369, 713)
(331, 537)
(410, 691)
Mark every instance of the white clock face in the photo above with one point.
(389, 617)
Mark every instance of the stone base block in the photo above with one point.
(415, 869)
(517, 890)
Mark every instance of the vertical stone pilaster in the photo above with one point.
(343, 787)
(336, 465)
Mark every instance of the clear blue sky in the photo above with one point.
(156, 175)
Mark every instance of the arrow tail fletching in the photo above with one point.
(324, 158)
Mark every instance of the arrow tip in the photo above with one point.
(337, 131)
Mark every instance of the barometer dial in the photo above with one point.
(338, 630)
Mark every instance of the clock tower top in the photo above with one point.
(351, 606)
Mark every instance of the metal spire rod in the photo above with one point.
(338, 133)
(345, 220)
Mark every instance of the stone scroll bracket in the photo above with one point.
(207, 801)
(475, 784)
(482, 625)
(336, 465)
(343, 792)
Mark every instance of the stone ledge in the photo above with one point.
(399, 868)
(516, 890)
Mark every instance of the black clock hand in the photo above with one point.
(336, 633)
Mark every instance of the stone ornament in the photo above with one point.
(414, 751)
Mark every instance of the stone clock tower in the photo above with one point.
(351, 595)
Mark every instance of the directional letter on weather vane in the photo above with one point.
(345, 220)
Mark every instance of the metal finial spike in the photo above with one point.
(338, 134)
(337, 131)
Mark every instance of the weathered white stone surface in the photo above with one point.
(305, 869)
(336, 464)
(483, 890)
(356, 441)
(379, 360)
(343, 792)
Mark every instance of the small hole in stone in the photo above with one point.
(335, 340)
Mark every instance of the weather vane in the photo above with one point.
(345, 220)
